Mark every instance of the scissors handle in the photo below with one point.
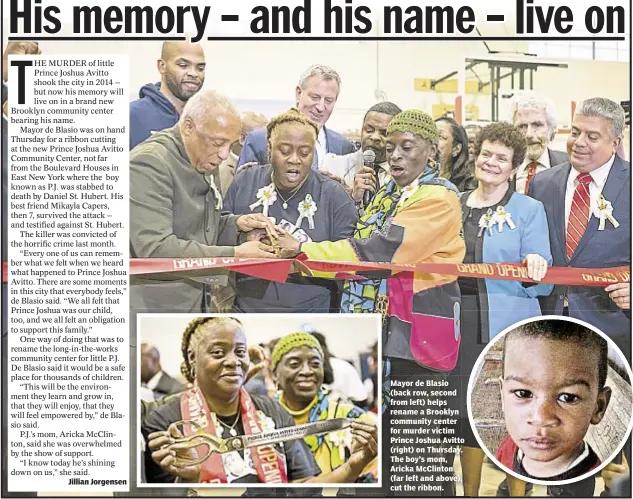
(195, 441)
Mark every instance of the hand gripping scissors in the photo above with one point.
(199, 438)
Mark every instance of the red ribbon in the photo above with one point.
(278, 270)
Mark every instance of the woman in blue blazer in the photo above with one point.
(500, 226)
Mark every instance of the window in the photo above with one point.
(593, 50)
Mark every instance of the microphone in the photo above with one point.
(369, 157)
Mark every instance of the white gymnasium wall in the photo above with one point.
(263, 75)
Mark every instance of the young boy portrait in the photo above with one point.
(552, 389)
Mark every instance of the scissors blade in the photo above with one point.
(287, 433)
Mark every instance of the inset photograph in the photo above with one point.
(550, 400)
(259, 400)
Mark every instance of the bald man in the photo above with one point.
(176, 204)
(153, 376)
(181, 66)
(250, 122)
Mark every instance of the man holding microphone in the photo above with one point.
(354, 170)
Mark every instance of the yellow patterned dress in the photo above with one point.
(334, 449)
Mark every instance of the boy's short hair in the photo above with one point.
(562, 330)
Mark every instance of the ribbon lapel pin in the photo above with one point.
(486, 221)
(340, 440)
(266, 196)
(604, 211)
(307, 209)
(502, 216)
(216, 193)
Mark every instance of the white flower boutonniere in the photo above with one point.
(503, 217)
(340, 440)
(486, 221)
(266, 196)
(267, 423)
(604, 211)
(307, 209)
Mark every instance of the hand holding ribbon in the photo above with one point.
(620, 293)
(536, 265)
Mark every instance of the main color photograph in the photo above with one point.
(331, 240)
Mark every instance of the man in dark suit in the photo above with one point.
(535, 115)
(316, 96)
(571, 199)
(595, 176)
(153, 376)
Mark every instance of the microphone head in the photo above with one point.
(369, 156)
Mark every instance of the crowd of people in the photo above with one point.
(213, 184)
(207, 181)
(300, 187)
(230, 387)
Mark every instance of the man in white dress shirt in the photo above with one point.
(373, 136)
(571, 193)
(535, 115)
(595, 185)
(316, 95)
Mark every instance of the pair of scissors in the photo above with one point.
(274, 241)
(199, 438)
